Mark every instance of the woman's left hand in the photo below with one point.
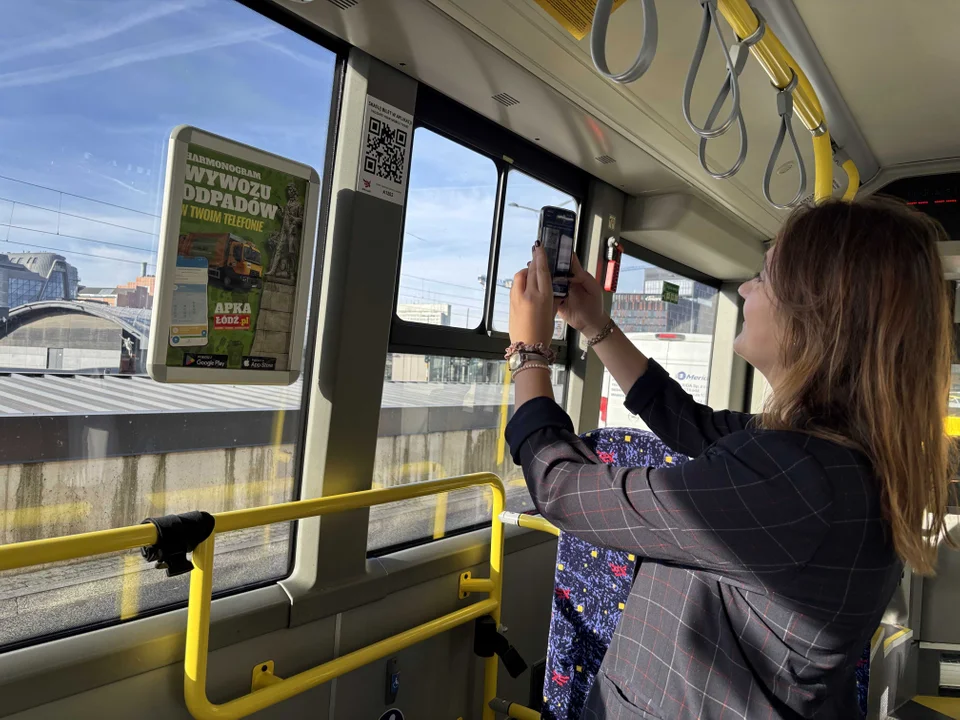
(532, 307)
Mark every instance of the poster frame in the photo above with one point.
(180, 138)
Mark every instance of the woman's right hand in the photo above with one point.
(582, 309)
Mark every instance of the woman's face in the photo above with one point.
(759, 341)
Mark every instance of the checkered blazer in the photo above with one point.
(765, 563)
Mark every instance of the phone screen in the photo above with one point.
(557, 227)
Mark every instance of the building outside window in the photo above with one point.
(31, 277)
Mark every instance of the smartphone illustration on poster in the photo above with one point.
(189, 322)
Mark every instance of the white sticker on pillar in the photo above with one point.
(385, 156)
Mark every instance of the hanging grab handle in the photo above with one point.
(785, 109)
(742, 126)
(648, 45)
(739, 53)
(710, 17)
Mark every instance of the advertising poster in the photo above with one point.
(237, 247)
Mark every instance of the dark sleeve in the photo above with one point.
(752, 505)
(681, 422)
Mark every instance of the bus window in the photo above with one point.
(678, 335)
(91, 92)
(443, 413)
(525, 197)
(447, 230)
(441, 417)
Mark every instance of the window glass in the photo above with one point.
(443, 417)
(521, 217)
(90, 93)
(953, 401)
(447, 233)
(678, 335)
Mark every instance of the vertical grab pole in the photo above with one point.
(504, 409)
(823, 161)
(198, 629)
(496, 576)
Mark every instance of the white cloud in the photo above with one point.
(169, 47)
(302, 58)
(105, 248)
(100, 29)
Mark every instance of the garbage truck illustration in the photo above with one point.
(232, 261)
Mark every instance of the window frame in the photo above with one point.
(662, 262)
(452, 121)
(508, 151)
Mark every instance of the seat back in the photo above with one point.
(591, 586)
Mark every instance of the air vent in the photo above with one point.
(604, 159)
(344, 4)
(506, 100)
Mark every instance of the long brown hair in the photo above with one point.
(866, 352)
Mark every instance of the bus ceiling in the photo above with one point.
(517, 64)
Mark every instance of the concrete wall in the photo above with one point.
(15, 356)
(23, 358)
(59, 498)
(41, 500)
(404, 459)
(82, 359)
(50, 499)
(86, 342)
(65, 330)
(410, 368)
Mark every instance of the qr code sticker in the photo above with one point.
(385, 151)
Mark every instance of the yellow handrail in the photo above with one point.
(780, 66)
(520, 712)
(275, 690)
(201, 587)
(853, 180)
(823, 163)
(71, 547)
(534, 522)
(538, 523)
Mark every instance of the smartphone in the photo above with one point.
(557, 226)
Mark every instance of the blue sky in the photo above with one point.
(90, 91)
(92, 88)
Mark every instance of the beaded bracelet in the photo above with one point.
(599, 337)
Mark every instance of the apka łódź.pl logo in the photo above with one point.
(231, 316)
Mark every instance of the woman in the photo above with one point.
(768, 559)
